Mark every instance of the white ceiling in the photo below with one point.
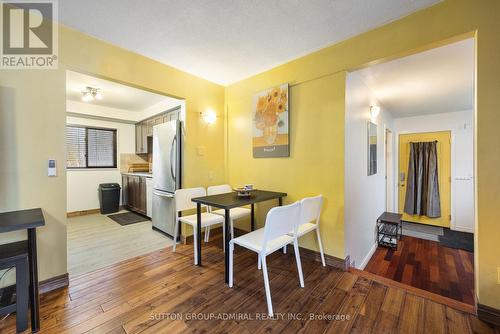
(436, 81)
(115, 95)
(228, 40)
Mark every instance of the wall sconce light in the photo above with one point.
(209, 116)
(374, 111)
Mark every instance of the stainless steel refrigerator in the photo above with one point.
(166, 174)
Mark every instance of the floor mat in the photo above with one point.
(457, 239)
(422, 231)
(128, 218)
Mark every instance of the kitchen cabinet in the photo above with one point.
(133, 196)
(149, 197)
(145, 137)
(134, 193)
(139, 145)
(144, 130)
(141, 195)
(151, 123)
(141, 138)
(124, 190)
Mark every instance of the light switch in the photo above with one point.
(211, 175)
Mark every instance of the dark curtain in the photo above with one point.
(422, 188)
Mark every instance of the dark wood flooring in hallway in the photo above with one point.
(429, 266)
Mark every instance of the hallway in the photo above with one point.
(429, 266)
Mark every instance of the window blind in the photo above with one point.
(76, 147)
(100, 148)
(90, 147)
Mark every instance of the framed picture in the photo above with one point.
(270, 137)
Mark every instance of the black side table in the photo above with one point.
(15, 255)
(27, 220)
(389, 229)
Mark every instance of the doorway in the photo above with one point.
(443, 146)
(109, 135)
(424, 97)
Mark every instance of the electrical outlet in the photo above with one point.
(498, 275)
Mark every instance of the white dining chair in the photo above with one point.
(309, 220)
(234, 214)
(182, 203)
(273, 236)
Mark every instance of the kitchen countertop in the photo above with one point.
(142, 174)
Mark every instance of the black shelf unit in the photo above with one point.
(389, 229)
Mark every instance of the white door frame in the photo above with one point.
(452, 172)
(389, 168)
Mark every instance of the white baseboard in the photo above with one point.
(367, 258)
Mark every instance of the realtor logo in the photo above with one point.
(29, 35)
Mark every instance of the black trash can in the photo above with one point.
(109, 197)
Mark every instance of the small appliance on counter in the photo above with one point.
(166, 174)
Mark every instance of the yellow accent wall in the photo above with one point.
(32, 118)
(317, 121)
(32, 130)
(316, 156)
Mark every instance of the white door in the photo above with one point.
(389, 171)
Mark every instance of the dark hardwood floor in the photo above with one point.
(429, 266)
(163, 292)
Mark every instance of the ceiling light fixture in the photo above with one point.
(91, 93)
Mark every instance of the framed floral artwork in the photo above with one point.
(270, 137)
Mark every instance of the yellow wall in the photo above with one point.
(32, 111)
(316, 156)
(442, 23)
(32, 130)
(32, 122)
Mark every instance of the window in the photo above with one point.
(89, 147)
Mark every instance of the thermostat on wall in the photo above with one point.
(52, 168)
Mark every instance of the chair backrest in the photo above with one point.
(311, 209)
(219, 189)
(183, 198)
(280, 221)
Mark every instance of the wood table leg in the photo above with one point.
(252, 218)
(280, 201)
(226, 246)
(33, 273)
(198, 229)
